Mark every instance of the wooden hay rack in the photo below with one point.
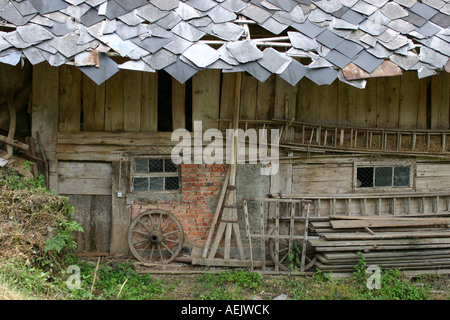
(282, 230)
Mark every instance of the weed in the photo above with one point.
(393, 286)
(228, 284)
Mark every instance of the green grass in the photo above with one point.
(119, 281)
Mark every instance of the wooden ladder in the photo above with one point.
(370, 139)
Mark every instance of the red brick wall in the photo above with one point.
(200, 188)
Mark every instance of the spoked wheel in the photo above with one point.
(155, 236)
(289, 256)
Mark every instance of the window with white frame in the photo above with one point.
(383, 176)
(155, 175)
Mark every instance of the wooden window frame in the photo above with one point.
(135, 174)
(391, 164)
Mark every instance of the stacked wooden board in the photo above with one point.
(416, 244)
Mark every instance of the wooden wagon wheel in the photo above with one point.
(285, 260)
(155, 236)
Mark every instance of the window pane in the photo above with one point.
(170, 166)
(141, 165)
(365, 177)
(172, 183)
(156, 183)
(140, 184)
(401, 177)
(383, 177)
(156, 165)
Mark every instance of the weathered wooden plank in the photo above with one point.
(285, 99)
(388, 93)
(93, 97)
(226, 262)
(265, 99)
(305, 111)
(69, 99)
(86, 170)
(248, 98)
(94, 215)
(178, 105)
(206, 98)
(115, 102)
(395, 254)
(380, 223)
(120, 212)
(322, 173)
(45, 105)
(390, 242)
(386, 235)
(227, 99)
(149, 112)
(132, 85)
(84, 186)
(366, 112)
(422, 122)
(440, 101)
(432, 169)
(328, 104)
(409, 101)
(116, 138)
(347, 104)
(380, 247)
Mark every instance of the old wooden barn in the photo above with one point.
(358, 91)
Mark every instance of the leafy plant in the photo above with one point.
(228, 284)
(393, 286)
(16, 181)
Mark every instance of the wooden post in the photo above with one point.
(12, 123)
(229, 221)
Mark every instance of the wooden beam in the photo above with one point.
(14, 143)
(178, 105)
(149, 113)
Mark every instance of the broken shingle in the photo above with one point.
(188, 32)
(394, 11)
(67, 45)
(160, 59)
(329, 39)
(151, 13)
(405, 62)
(256, 13)
(34, 33)
(107, 68)
(274, 61)
(366, 61)
(256, 70)
(294, 72)
(12, 15)
(202, 55)
(244, 51)
(45, 6)
(151, 44)
(423, 10)
(322, 76)
(302, 42)
(181, 71)
(349, 48)
(228, 31)
(338, 59)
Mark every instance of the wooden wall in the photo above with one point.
(129, 101)
(330, 182)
